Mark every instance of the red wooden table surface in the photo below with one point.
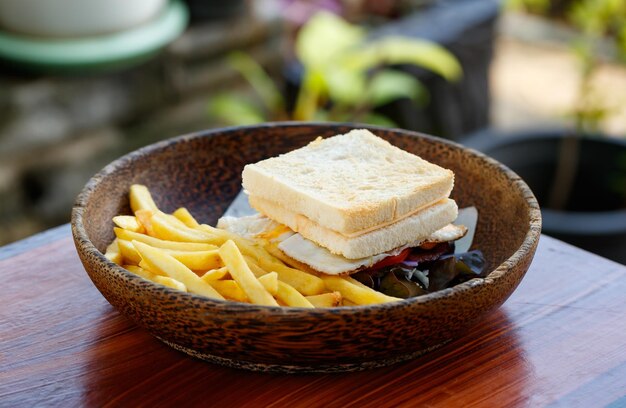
(559, 340)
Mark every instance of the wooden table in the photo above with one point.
(559, 340)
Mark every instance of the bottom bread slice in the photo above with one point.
(411, 229)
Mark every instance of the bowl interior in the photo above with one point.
(202, 172)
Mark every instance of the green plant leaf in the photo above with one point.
(401, 50)
(389, 85)
(324, 38)
(262, 83)
(235, 110)
(345, 87)
(336, 64)
(535, 6)
(311, 91)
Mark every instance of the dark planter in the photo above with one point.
(467, 29)
(592, 214)
(213, 10)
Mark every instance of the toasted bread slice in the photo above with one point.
(414, 228)
(349, 183)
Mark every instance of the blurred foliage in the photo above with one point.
(344, 76)
(532, 6)
(594, 20)
(592, 17)
(600, 17)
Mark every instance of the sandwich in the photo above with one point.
(348, 203)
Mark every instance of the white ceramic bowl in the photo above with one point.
(75, 18)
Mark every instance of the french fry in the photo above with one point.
(185, 216)
(355, 292)
(170, 282)
(241, 273)
(270, 282)
(246, 246)
(223, 234)
(144, 216)
(164, 228)
(215, 274)
(330, 299)
(284, 292)
(251, 249)
(168, 248)
(159, 261)
(174, 221)
(137, 270)
(113, 253)
(290, 296)
(129, 222)
(303, 282)
(195, 260)
(141, 199)
(129, 253)
(254, 267)
(347, 302)
(160, 243)
(145, 266)
(230, 290)
(257, 252)
(163, 280)
(273, 250)
(357, 283)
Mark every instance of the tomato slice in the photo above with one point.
(392, 260)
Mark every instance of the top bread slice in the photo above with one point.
(349, 183)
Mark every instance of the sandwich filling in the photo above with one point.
(320, 259)
(382, 239)
(297, 221)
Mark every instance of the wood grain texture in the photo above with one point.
(559, 340)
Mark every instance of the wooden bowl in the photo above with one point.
(203, 173)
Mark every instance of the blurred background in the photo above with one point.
(537, 84)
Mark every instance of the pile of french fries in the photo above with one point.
(176, 251)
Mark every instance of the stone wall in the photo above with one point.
(56, 132)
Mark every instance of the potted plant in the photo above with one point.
(466, 29)
(577, 174)
(344, 77)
